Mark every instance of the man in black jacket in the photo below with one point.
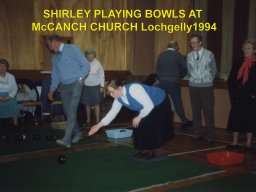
(169, 64)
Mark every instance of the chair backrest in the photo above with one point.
(46, 83)
(38, 84)
(151, 79)
(29, 83)
(44, 96)
(27, 92)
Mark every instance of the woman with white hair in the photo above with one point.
(93, 86)
(242, 91)
(8, 90)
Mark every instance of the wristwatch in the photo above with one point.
(81, 80)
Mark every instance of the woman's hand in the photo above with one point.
(136, 121)
(94, 129)
(50, 96)
(4, 99)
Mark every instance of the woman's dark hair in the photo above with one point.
(115, 84)
(5, 62)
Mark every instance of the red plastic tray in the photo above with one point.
(225, 158)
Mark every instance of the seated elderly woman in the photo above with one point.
(8, 90)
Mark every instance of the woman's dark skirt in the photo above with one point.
(242, 117)
(155, 129)
(91, 95)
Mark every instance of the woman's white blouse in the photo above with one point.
(8, 84)
(139, 94)
(96, 74)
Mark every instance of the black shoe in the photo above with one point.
(198, 138)
(210, 140)
(187, 125)
(15, 126)
(230, 146)
(139, 155)
(249, 149)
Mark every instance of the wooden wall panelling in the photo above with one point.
(113, 48)
(17, 39)
(5, 32)
(214, 37)
(221, 107)
(35, 75)
(143, 60)
(162, 38)
(240, 27)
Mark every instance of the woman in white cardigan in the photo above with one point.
(93, 86)
(8, 90)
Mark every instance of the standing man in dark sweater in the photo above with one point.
(169, 63)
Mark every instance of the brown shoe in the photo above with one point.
(149, 155)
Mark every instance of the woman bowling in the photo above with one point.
(153, 126)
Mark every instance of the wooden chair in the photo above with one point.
(49, 105)
(28, 102)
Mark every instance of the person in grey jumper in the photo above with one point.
(202, 71)
(169, 64)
